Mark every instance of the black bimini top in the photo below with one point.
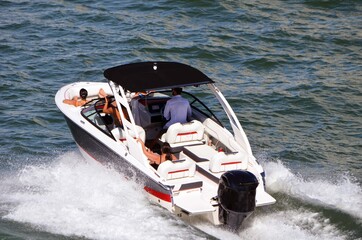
(145, 76)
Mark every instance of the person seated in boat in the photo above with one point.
(177, 109)
(112, 109)
(155, 158)
(75, 101)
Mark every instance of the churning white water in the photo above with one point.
(341, 194)
(73, 197)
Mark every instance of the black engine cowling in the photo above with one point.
(236, 197)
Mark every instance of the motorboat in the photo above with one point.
(215, 178)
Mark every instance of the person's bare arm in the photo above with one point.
(153, 157)
(72, 101)
(106, 108)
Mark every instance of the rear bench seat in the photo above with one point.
(222, 162)
(177, 169)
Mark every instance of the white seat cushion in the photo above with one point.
(177, 169)
(222, 162)
(184, 133)
(120, 134)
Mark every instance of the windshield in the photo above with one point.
(93, 113)
(204, 103)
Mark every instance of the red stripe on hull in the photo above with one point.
(163, 196)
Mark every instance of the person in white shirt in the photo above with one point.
(177, 109)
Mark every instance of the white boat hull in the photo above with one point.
(192, 196)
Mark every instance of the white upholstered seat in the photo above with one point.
(177, 169)
(120, 134)
(222, 162)
(184, 134)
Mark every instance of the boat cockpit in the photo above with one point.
(147, 111)
(203, 139)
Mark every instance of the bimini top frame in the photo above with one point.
(145, 76)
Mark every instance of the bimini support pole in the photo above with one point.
(239, 133)
(122, 105)
(129, 125)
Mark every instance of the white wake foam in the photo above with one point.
(342, 194)
(74, 197)
(290, 224)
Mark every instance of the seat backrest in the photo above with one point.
(177, 169)
(120, 134)
(133, 146)
(222, 162)
(178, 133)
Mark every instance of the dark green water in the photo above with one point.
(292, 71)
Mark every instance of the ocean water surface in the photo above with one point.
(292, 71)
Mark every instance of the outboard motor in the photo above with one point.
(236, 197)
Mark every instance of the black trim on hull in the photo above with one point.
(103, 154)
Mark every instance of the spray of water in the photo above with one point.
(297, 223)
(341, 194)
(289, 224)
(72, 197)
(75, 197)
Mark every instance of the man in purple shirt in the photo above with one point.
(177, 109)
